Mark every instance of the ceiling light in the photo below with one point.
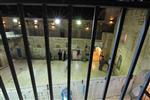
(87, 28)
(4, 22)
(111, 22)
(111, 18)
(36, 26)
(15, 20)
(57, 21)
(53, 27)
(78, 22)
(35, 21)
(52, 23)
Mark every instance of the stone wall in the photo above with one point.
(13, 43)
(133, 24)
(107, 39)
(37, 45)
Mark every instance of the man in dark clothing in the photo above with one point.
(102, 62)
(64, 56)
(60, 54)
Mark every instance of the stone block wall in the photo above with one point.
(132, 27)
(107, 39)
(13, 43)
(37, 45)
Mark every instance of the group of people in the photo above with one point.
(97, 56)
(62, 55)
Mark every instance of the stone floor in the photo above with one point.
(59, 75)
(59, 72)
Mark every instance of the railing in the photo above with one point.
(77, 89)
(70, 5)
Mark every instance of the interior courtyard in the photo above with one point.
(80, 52)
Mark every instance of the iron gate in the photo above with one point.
(123, 4)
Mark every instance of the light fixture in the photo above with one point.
(53, 27)
(87, 28)
(35, 26)
(111, 22)
(57, 21)
(15, 20)
(4, 22)
(19, 25)
(111, 18)
(78, 22)
(52, 23)
(35, 21)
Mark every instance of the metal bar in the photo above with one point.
(9, 58)
(2, 86)
(69, 50)
(48, 54)
(124, 4)
(27, 49)
(94, 29)
(136, 54)
(147, 94)
(114, 51)
(143, 90)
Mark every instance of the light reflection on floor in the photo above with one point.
(59, 72)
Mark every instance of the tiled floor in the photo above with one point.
(59, 72)
(59, 75)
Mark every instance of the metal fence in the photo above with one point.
(77, 89)
(96, 5)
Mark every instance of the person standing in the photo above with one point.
(78, 54)
(60, 54)
(83, 87)
(64, 56)
(87, 52)
(102, 62)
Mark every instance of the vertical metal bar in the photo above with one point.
(94, 28)
(143, 90)
(136, 54)
(114, 51)
(27, 49)
(69, 49)
(9, 58)
(48, 54)
(2, 86)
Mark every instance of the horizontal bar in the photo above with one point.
(48, 55)
(70, 11)
(2, 86)
(143, 90)
(136, 54)
(115, 48)
(27, 49)
(94, 30)
(9, 58)
(124, 4)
